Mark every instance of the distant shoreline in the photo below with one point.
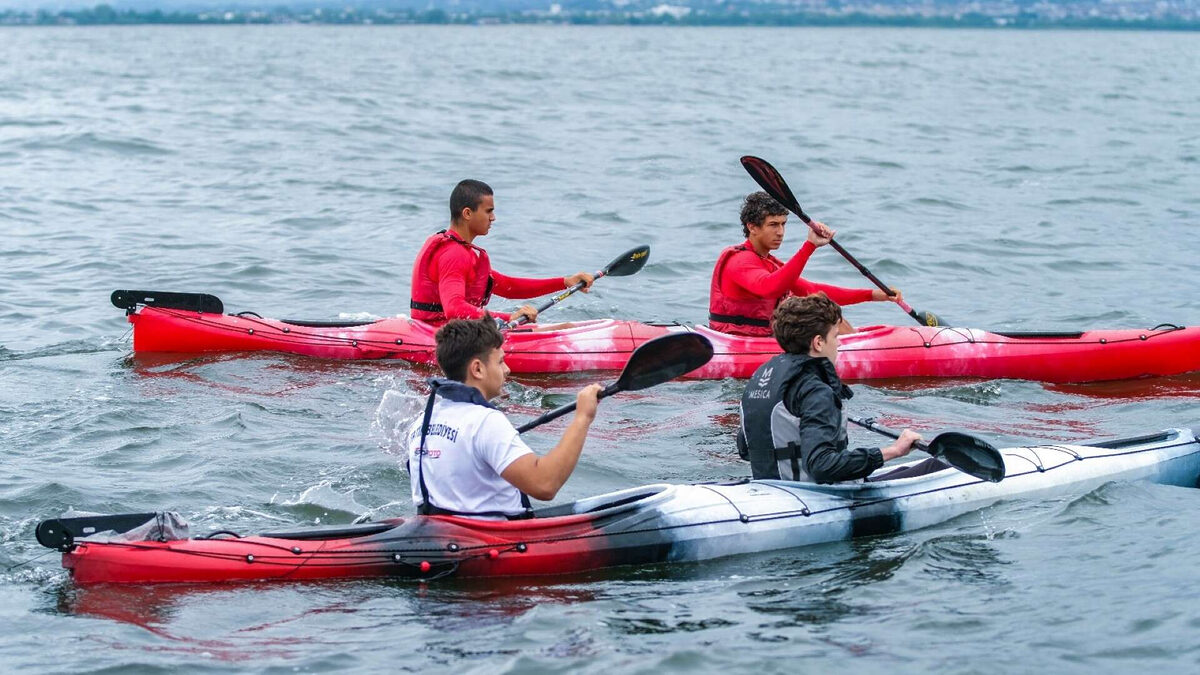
(104, 15)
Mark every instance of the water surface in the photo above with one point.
(1006, 180)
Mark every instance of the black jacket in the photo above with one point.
(810, 427)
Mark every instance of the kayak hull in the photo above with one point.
(650, 524)
(876, 352)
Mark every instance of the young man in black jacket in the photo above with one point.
(793, 426)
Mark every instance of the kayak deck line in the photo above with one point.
(969, 338)
(286, 335)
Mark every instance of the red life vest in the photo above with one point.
(751, 316)
(425, 303)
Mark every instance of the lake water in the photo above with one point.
(1006, 180)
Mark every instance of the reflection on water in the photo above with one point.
(232, 622)
(265, 374)
(1145, 389)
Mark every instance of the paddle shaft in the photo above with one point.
(559, 412)
(769, 178)
(654, 362)
(629, 262)
(523, 319)
(859, 266)
(891, 433)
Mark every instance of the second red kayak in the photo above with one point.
(875, 352)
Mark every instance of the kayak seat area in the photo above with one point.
(1036, 334)
(593, 505)
(619, 502)
(331, 531)
(569, 509)
(327, 324)
(912, 470)
(1135, 440)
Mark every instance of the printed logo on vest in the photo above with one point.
(764, 380)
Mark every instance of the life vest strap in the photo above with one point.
(426, 306)
(426, 507)
(791, 451)
(739, 320)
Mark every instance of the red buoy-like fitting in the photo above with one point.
(425, 566)
(493, 553)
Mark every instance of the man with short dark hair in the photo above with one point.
(792, 423)
(464, 457)
(748, 282)
(453, 278)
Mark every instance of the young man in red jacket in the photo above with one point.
(748, 282)
(453, 278)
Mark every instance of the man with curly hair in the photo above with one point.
(748, 282)
(792, 423)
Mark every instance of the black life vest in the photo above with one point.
(770, 433)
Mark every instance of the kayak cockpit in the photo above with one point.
(335, 531)
(327, 324)
(611, 503)
(856, 489)
(1160, 437)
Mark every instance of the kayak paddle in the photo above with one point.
(629, 262)
(654, 362)
(964, 452)
(766, 176)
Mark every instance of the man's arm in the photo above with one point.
(842, 296)
(744, 271)
(542, 477)
(450, 266)
(820, 428)
(517, 288)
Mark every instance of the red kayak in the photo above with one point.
(165, 323)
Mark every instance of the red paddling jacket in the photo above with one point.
(454, 279)
(746, 287)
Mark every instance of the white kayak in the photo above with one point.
(644, 525)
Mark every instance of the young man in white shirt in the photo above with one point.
(464, 457)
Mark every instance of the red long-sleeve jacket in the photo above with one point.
(454, 280)
(746, 287)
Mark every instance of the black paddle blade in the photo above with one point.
(927, 318)
(766, 176)
(195, 302)
(663, 359)
(656, 361)
(629, 262)
(969, 454)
